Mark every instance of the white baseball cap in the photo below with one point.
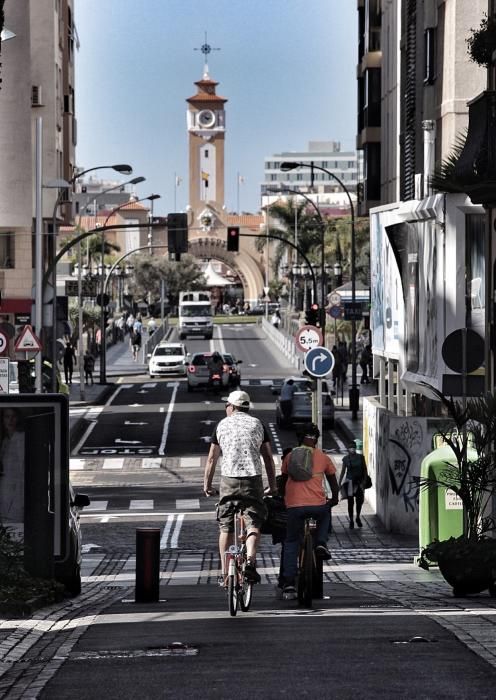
(239, 399)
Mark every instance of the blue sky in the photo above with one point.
(287, 67)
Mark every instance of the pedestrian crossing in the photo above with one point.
(144, 504)
(125, 464)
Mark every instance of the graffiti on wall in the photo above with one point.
(405, 443)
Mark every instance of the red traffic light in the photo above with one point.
(233, 239)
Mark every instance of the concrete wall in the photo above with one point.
(394, 447)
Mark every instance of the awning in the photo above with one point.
(13, 306)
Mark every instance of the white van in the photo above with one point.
(195, 315)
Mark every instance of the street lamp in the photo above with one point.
(322, 225)
(151, 198)
(354, 391)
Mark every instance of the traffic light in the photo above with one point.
(312, 316)
(177, 234)
(233, 239)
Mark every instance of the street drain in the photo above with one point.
(174, 649)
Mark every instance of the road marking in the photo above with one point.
(151, 463)
(167, 529)
(187, 503)
(96, 505)
(190, 461)
(128, 442)
(150, 385)
(113, 463)
(145, 504)
(165, 431)
(75, 464)
(130, 422)
(175, 536)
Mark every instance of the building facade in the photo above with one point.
(38, 82)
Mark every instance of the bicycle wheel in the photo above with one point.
(246, 594)
(232, 594)
(306, 573)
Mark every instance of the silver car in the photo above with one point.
(198, 371)
(302, 403)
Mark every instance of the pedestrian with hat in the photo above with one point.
(240, 438)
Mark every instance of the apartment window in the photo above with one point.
(7, 251)
(429, 55)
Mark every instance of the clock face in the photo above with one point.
(206, 118)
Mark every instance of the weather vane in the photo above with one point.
(206, 49)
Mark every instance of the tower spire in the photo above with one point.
(205, 48)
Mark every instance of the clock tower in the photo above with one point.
(206, 129)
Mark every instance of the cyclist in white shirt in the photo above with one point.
(241, 439)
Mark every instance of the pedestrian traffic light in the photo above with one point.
(312, 316)
(233, 239)
(177, 234)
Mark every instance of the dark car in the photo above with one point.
(68, 570)
(302, 403)
(234, 371)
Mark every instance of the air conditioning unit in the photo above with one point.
(36, 96)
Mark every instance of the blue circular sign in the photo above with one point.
(319, 362)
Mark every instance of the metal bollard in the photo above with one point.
(147, 565)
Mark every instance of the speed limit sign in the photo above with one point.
(308, 337)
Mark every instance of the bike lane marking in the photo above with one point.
(165, 431)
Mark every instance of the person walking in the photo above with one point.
(89, 366)
(352, 483)
(135, 344)
(276, 319)
(365, 362)
(240, 438)
(152, 326)
(69, 360)
(306, 498)
(286, 399)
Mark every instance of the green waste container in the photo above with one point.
(440, 509)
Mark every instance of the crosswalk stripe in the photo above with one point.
(191, 462)
(144, 504)
(151, 462)
(187, 503)
(114, 463)
(167, 529)
(96, 505)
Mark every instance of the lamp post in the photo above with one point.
(151, 198)
(322, 225)
(354, 391)
(103, 345)
(123, 168)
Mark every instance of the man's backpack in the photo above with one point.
(300, 463)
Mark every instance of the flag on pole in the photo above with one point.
(178, 180)
(241, 179)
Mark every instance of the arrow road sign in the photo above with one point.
(319, 362)
(335, 312)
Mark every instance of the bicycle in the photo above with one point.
(239, 589)
(307, 565)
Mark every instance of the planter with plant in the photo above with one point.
(468, 563)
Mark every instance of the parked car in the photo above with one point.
(198, 371)
(302, 403)
(168, 358)
(68, 571)
(234, 371)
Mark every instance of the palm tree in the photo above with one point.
(297, 226)
(93, 245)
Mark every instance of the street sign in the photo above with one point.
(3, 342)
(335, 312)
(319, 362)
(4, 375)
(27, 341)
(353, 311)
(335, 299)
(266, 290)
(308, 337)
(88, 287)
